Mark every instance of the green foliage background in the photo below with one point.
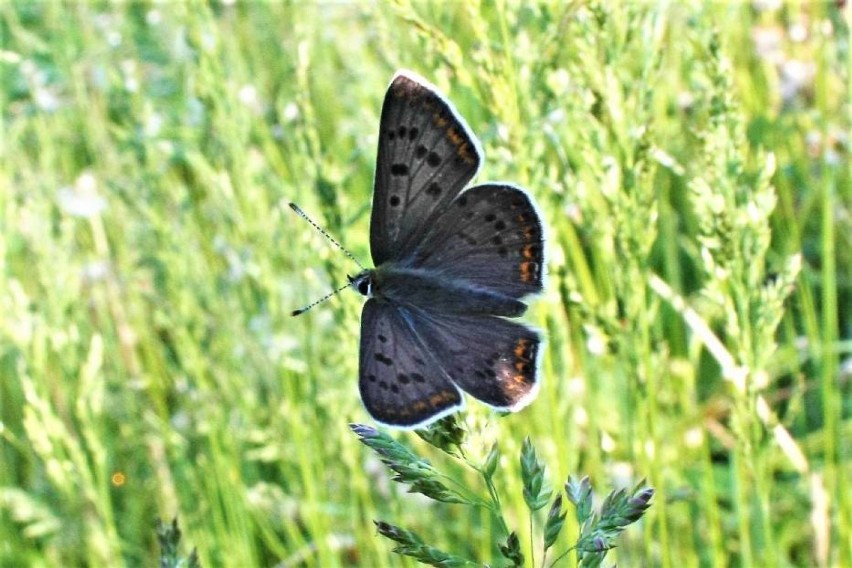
(691, 161)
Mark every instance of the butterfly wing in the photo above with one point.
(400, 381)
(490, 237)
(427, 155)
(485, 243)
(490, 358)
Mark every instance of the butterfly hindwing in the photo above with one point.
(426, 156)
(491, 236)
(399, 380)
(491, 358)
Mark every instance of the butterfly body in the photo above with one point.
(451, 265)
(430, 290)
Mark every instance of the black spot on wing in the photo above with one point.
(434, 190)
(399, 170)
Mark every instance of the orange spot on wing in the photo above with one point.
(528, 270)
(464, 152)
(456, 139)
(440, 398)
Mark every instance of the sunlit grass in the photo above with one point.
(692, 166)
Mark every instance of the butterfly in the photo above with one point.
(451, 265)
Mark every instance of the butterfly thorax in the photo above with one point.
(433, 291)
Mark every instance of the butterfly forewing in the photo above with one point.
(426, 157)
(401, 382)
(490, 237)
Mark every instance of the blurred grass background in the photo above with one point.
(692, 164)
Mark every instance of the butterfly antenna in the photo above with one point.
(300, 311)
(304, 216)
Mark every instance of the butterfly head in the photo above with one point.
(363, 282)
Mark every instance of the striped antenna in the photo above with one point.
(304, 216)
(300, 311)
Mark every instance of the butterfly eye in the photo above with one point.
(365, 287)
